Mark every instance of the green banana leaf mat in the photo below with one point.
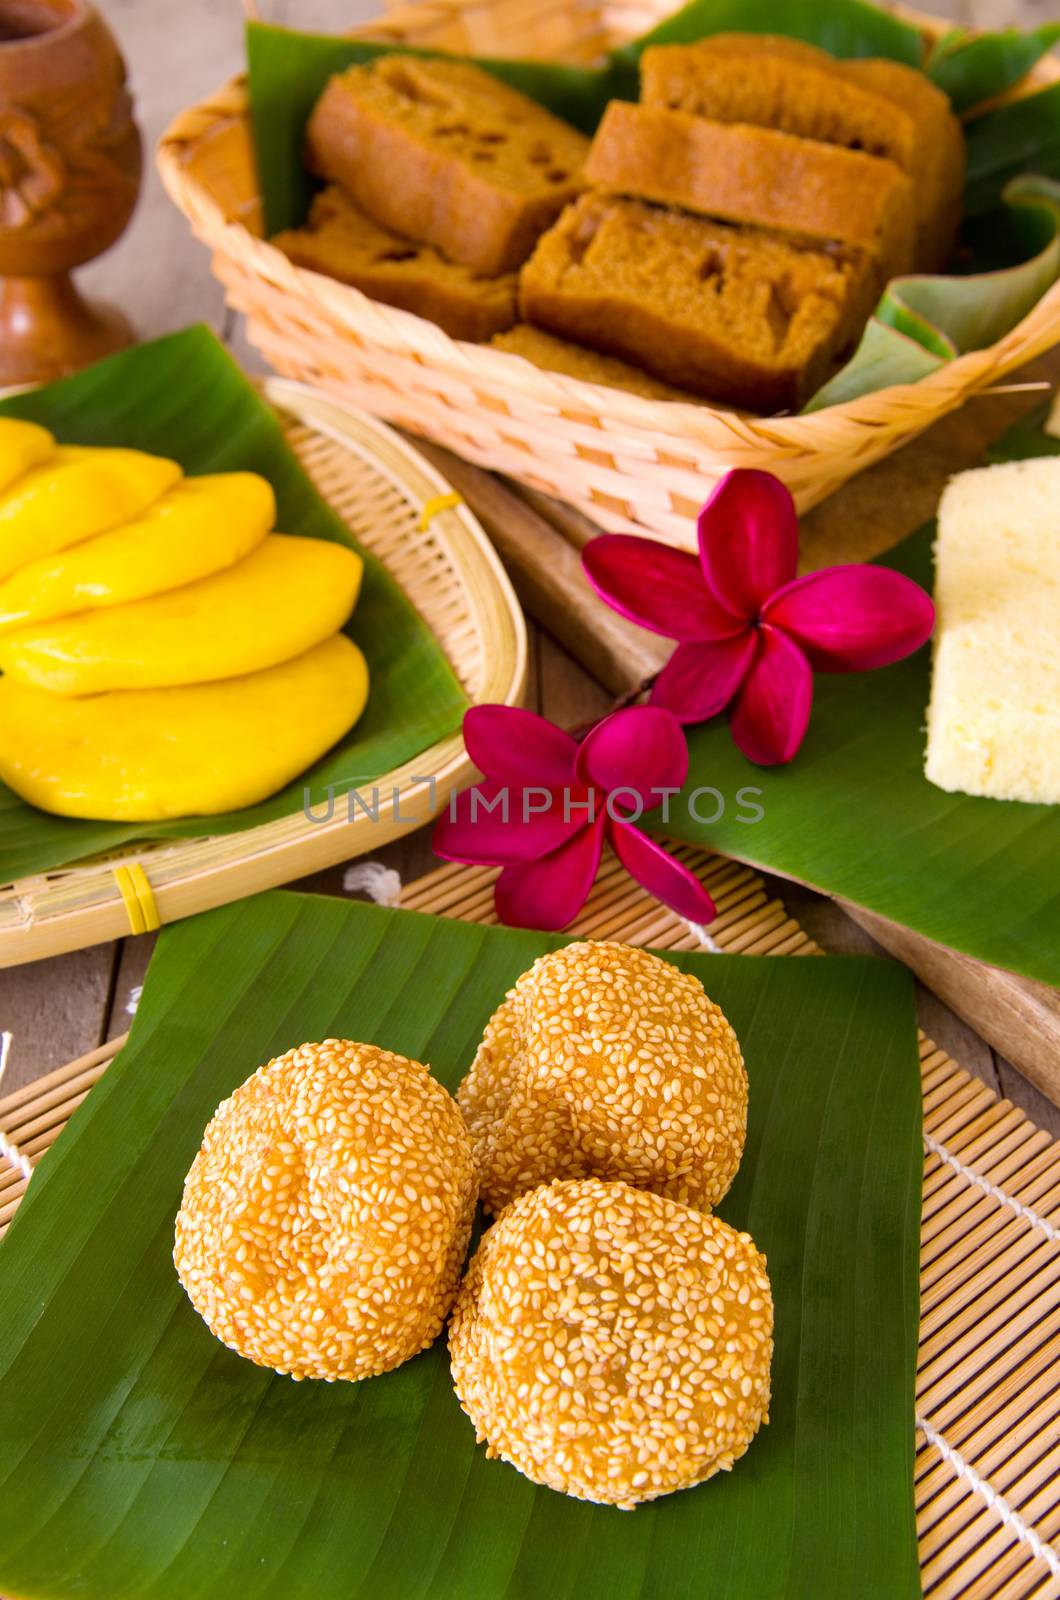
(854, 815)
(139, 1458)
(184, 397)
(1010, 246)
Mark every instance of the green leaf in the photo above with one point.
(884, 356)
(842, 27)
(184, 397)
(1022, 137)
(978, 67)
(854, 816)
(140, 1458)
(923, 321)
(1026, 438)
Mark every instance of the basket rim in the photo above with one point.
(73, 907)
(944, 389)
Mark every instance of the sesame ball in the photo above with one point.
(606, 1060)
(326, 1217)
(612, 1344)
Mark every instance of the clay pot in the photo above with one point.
(70, 162)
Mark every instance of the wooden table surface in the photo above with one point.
(60, 1008)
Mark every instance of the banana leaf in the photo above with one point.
(854, 815)
(971, 68)
(924, 321)
(1010, 251)
(184, 397)
(138, 1457)
(847, 28)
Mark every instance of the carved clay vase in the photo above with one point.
(70, 161)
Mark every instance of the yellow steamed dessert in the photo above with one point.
(994, 718)
(144, 755)
(78, 492)
(284, 597)
(606, 1060)
(75, 494)
(23, 445)
(199, 527)
(325, 1219)
(612, 1344)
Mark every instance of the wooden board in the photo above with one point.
(539, 542)
(988, 1408)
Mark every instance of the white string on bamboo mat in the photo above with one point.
(994, 1499)
(9, 1150)
(706, 942)
(970, 1175)
(379, 883)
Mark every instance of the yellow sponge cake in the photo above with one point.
(994, 719)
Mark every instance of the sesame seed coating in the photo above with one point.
(606, 1060)
(326, 1217)
(613, 1344)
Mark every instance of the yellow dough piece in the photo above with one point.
(201, 526)
(23, 445)
(145, 755)
(77, 493)
(284, 597)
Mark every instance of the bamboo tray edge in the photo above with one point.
(450, 572)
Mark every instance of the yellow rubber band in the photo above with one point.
(436, 505)
(140, 904)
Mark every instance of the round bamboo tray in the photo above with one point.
(625, 461)
(401, 510)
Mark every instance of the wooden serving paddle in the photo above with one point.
(539, 540)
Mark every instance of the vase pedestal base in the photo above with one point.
(47, 329)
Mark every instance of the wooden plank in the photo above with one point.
(1019, 1018)
(546, 570)
(54, 1010)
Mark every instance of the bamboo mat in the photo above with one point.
(988, 1391)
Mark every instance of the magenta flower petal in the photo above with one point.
(771, 711)
(848, 619)
(516, 747)
(641, 749)
(659, 588)
(549, 893)
(699, 680)
(475, 827)
(748, 539)
(658, 872)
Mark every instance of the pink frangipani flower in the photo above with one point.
(750, 634)
(548, 802)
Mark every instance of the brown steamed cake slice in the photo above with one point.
(741, 315)
(757, 176)
(545, 350)
(443, 152)
(937, 165)
(879, 107)
(342, 242)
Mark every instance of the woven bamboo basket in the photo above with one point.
(987, 1483)
(625, 461)
(402, 510)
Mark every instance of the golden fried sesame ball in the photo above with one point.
(326, 1217)
(606, 1060)
(613, 1344)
